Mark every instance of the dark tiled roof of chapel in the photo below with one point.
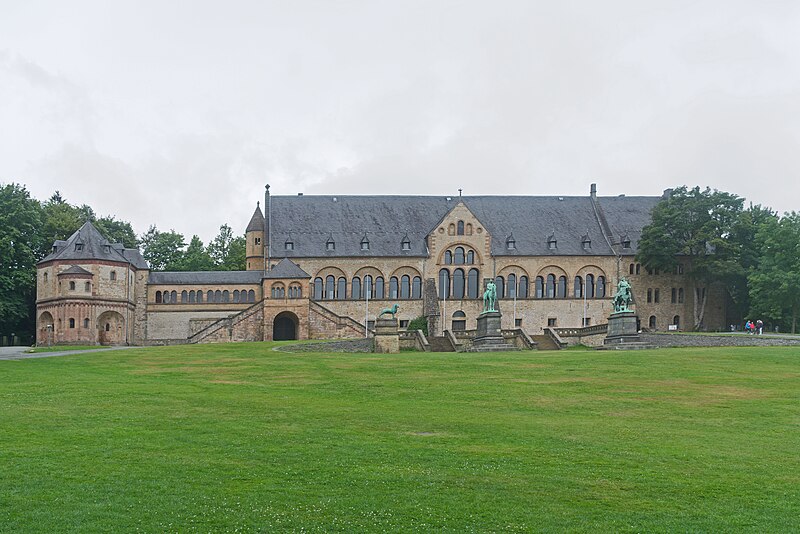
(87, 243)
(206, 277)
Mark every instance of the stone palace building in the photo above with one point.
(322, 267)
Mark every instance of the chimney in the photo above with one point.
(593, 191)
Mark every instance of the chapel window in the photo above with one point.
(561, 291)
(416, 288)
(113, 275)
(460, 228)
(380, 288)
(472, 283)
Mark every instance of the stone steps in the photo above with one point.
(441, 344)
(545, 342)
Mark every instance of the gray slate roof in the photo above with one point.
(93, 246)
(206, 277)
(286, 268)
(76, 269)
(309, 221)
(256, 221)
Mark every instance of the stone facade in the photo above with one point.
(556, 262)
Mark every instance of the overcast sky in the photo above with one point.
(177, 113)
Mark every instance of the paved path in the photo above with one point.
(18, 353)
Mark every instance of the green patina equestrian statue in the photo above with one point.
(386, 311)
(623, 298)
(490, 297)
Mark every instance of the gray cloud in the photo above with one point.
(177, 117)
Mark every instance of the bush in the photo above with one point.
(420, 323)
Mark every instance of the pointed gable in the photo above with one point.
(256, 223)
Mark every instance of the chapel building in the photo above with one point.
(322, 267)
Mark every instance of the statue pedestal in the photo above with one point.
(489, 336)
(387, 340)
(622, 328)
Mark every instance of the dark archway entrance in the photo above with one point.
(284, 327)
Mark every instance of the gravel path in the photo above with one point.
(18, 353)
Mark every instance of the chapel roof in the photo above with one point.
(256, 223)
(205, 277)
(87, 243)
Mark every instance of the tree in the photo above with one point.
(61, 219)
(163, 250)
(228, 252)
(117, 231)
(196, 258)
(775, 282)
(697, 225)
(20, 248)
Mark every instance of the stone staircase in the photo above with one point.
(545, 342)
(441, 344)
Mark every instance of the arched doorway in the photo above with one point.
(46, 330)
(111, 328)
(284, 327)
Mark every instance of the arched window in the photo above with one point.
(539, 289)
(451, 230)
(470, 257)
(649, 295)
(87, 286)
(226, 296)
(561, 291)
(523, 287)
(444, 283)
(458, 284)
(330, 287)
(460, 228)
(473, 279)
(405, 287)
(459, 321)
(341, 288)
(631, 269)
(86, 323)
(191, 296)
(601, 287)
(393, 287)
(199, 295)
(652, 322)
(416, 288)
(677, 321)
(251, 296)
(158, 297)
(590, 286)
(210, 296)
(235, 295)
(355, 292)
(469, 229)
(184, 297)
(578, 288)
(72, 286)
(108, 327)
(500, 287)
(173, 297)
(112, 275)
(44, 277)
(512, 286)
(368, 290)
(295, 292)
(459, 256)
(680, 295)
(638, 268)
(72, 323)
(448, 257)
(380, 288)
(551, 286)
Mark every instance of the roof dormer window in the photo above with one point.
(107, 249)
(511, 244)
(364, 243)
(552, 243)
(78, 247)
(330, 245)
(626, 241)
(406, 244)
(288, 245)
(586, 242)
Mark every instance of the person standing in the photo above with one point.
(760, 327)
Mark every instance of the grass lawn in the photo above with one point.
(238, 437)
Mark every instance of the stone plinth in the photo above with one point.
(387, 340)
(489, 336)
(622, 328)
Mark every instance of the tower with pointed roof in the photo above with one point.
(255, 241)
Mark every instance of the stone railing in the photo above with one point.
(225, 322)
(414, 339)
(519, 338)
(580, 331)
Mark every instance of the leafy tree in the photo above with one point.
(228, 252)
(196, 257)
(163, 250)
(61, 219)
(697, 225)
(419, 323)
(117, 231)
(775, 282)
(20, 248)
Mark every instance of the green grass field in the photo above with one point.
(239, 437)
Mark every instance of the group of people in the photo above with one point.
(756, 327)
